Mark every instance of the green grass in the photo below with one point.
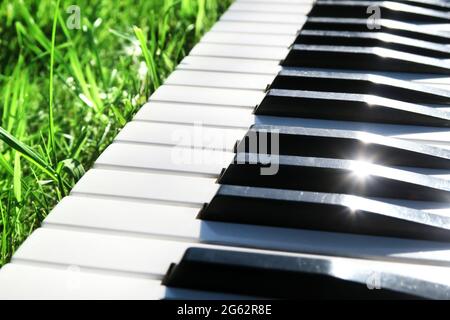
(65, 93)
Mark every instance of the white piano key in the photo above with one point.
(192, 114)
(32, 282)
(136, 256)
(435, 81)
(193, 135)
(125, 216)
(441, 211)
(173, 222)
(249, 39)
(256, 28)
(239, 51)
(129, 255)
(28, 282)
(230, 65)
(438, 27)
(445, 176)
(217, 96)
(263, 17)
(165, 158)
(147, 186)
(302, 8)
(72, 283)
(152, 257)
(220, 80)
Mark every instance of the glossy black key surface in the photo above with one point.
(344, 144)
(334, 176)
(350, 107)
(388, 10)
(293, 277)
(347, 82)
(323, 211)
(387, 26)
(363, 58)
(374, 39)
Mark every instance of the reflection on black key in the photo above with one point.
(323, 211)
(363, 58)
(334, 176)
(388, 10)
(387, 26)
(347, 82)
(374, 39)
(294, 277)
(344, 144)
(350, 107)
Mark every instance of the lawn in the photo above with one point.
(72, 73)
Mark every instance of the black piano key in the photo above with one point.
(363, 58)
(374, 39)
(388, 10)
(343, 144)
(293, 277)
(333, 176)
(346, 82)
(324, 212)
(350, 107)
(387, 26)
(429, 4)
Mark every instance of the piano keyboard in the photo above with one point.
(178, 208)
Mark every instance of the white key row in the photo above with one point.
(139, 259)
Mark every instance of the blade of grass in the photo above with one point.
(17, 178)
(149, 60)
(199, 23)
(27, 153)
(51, 120)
